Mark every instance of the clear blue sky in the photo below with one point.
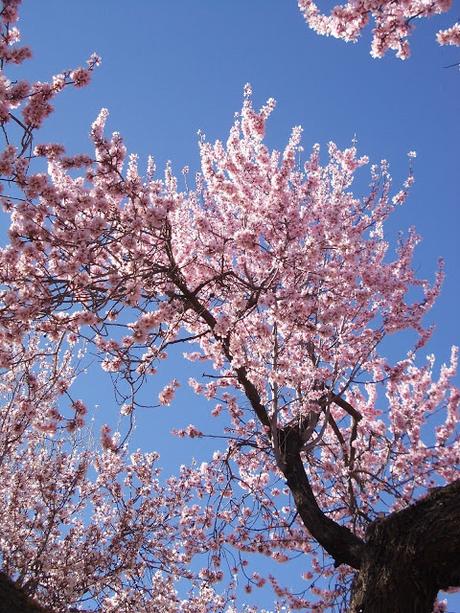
(171, 67)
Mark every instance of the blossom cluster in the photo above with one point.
(394, 22)
(81, 521)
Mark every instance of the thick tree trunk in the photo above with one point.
(385, 585)
(14, 600)
(410, 555)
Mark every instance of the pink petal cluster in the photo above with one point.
(394, 22)
(451, 36)
(166, 395)
(81, 522)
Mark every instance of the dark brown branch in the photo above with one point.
(346, 406)
(356, 417)
(253, 396)
(338, 541)
(249, 388)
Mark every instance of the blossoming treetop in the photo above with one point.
(278, 276)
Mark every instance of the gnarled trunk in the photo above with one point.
(387, 585)
(410, 555)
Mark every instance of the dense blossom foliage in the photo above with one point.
(274, 275)
(83, 525)
(394, 22)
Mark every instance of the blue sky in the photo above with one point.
(171, 67)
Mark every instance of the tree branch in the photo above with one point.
(338, 541)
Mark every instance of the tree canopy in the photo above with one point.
(276, 275)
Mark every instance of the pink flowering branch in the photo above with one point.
(394, 22)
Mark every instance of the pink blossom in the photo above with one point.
(394, 22)
(284, 286)
(167, 393)
(81, 77)
(450, 36)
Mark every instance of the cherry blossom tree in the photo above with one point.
(394, 22)
(84, 522)
(279, 279)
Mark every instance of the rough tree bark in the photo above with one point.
(14, 600)
(410, 555)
